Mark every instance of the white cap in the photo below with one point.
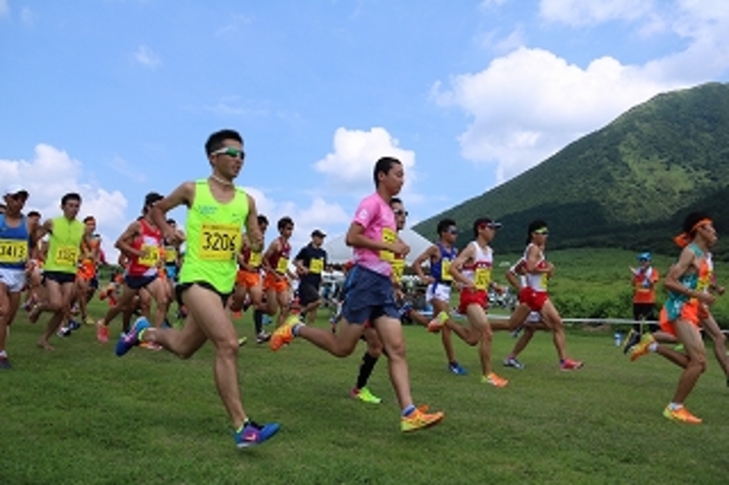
(13, 189)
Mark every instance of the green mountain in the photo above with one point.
(627, 185)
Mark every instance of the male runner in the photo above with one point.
(310, 262)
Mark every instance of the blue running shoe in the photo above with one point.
(131, 339)
(405, 309)
(456, 368)
(253, 434)
(73, 325)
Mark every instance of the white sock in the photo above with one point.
(653, 347)
(674, 406)
(3, 354)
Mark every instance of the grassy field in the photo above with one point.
(81, 415)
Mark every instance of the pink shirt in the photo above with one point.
(378, 220)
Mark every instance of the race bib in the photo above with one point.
(170, 256)
(13, 251)
(398, 268)
(282, 266)
(388, 236)
(482, 278)
(219, 242)
(703, 283)
(67, 255)
(445, 270)
(150, 256)
(255, 259)
(545, 280)
(316, 266)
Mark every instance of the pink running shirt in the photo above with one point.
(378, 220)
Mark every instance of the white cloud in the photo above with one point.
(4, 8)
(53, 173)
(122, 167)
(148, 58)
(349, 167)
(320, 214)
(527, 105)
(530, 103)
(591, 12)
(233, 25)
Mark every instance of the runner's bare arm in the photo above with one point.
(458, 263)
(182, 195)
(124, 243)
(255, 237)
(429, 254)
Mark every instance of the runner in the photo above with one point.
(249, 287)
(217, 211)
(59, 271)
(686, 282)
(276, 265)
(141, 243)
(87, 281)
(16, 236)
(534, 297)
(34, 269)
(172, 261)
(472, 271)
(310, 263)
(369, 295)
(440, 257)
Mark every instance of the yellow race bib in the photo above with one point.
(67, 255)
(388, 236)
(283, 265)
(398, 268)
(545, 280)
(150, 256)
(255, 259)
(445, 270)
(170, 256)
(13, 251)
(219, 242)
(316, 266)
(482, 278)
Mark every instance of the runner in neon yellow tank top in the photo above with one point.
(218, 210)
(59, 276)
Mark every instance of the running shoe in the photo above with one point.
(494, 380)
(641, 348)
(420, 420)
(456, 368)
(63, 332)
(102, 332)
(405, 309)
(254, 434)
(365, 395)
(283, 334)
(73, 325)
(632, 340)
(131, 339)
(242, 341)
(263, 337)
(569, 364)
(437, 323)
(5, 362)
(513, 362)
(681, 415)
(89, 320)
(515, 333)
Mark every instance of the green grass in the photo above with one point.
(82, 415)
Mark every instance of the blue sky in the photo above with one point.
(115, 98)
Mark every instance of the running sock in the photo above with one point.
(365, 369)
(408, 410)
(3, 353)
(674, 406)
(295, 329)
(653, 347)
(258, 320)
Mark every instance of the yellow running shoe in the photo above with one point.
(365, 395)
(641, 348)
(681, 415)
(494, 380)
(283, 334)
(420, 420)
(437, 323)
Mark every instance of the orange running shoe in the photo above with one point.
(494, 380)
(420, 420)
(680, 415)
(283, 334)
(641, 348)
(437, 323)
(102, 332)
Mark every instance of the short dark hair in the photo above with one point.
(262, 219)
(285, 221)
(171, 221)
(34, 214)
(689, 223)
(444, 225)
(69, 197)
(534, 226)
(479, 223)
(89, 218)
(150, 199)
(395, 200)
(215, 141)
(384, 165)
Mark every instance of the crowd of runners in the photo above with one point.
(51, 267)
